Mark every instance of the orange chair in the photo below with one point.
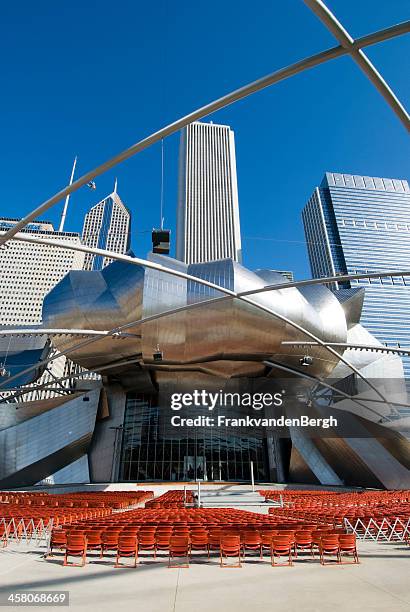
(127, 547)
(316, 539)
(147, 529)
(94, 541)
(303, 541)
(178, 547)
(252, 541)
(347, 546)
(281, 547)
(267, 536)
(109, 541)
(199, 541)
(146, 541)
(329, 545)
(308, 527)
(76, 547)
(214, 539)
(129, 531)
(163, 530)
(181, 531)
(58, 540)
(162, 539)
(290, 533)
(230, 546)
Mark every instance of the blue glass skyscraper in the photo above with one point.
(355, 224)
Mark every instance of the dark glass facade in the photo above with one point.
(149, 454)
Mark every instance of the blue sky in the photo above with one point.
(92, 77)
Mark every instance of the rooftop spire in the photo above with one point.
(64, 213)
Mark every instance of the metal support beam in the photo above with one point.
(19, 331)
(149, 264)
(322, 383)
(345, 345)
(226, 292)
(230, 98)
(335, 27)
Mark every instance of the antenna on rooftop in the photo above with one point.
(64, 213)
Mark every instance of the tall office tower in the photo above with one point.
(29, 271)
(208, 225)
(107, 225)
(355, 224)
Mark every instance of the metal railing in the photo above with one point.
(387, 530)
(35, 532)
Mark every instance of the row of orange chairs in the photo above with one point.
(372, 508)
(32, 517)
(392, 516)
(92, 499)
(172, 499)
(331, 499)
(182, 545)
(342, 495)
(21, 512)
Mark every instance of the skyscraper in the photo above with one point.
(208, 225)
(359, 224)
(107, 225)
(27, 273)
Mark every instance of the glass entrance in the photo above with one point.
(147, 454)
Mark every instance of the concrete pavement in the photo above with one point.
(380, 583)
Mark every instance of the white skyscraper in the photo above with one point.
(208, 226)
(106, 226)
(29, 271)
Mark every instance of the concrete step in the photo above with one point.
(210, 499)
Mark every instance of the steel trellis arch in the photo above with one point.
(226, 292)
(322, 383)
(348, 46)
(19, 392)
(149, 264)
(358, 347)
(354, 46)
(335, 27)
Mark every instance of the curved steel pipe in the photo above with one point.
(346, 345)
(335, 27)
(18, 392)
(230, 98)
(51, 332)
(319, 381)
(125, 258)
(149, 264)
(226, 292)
